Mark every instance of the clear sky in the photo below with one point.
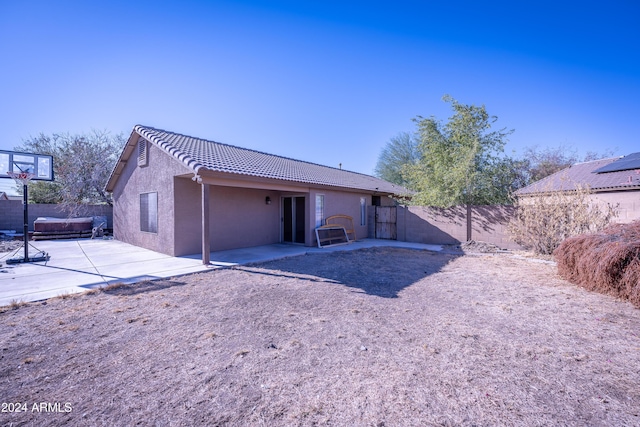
(324, 81)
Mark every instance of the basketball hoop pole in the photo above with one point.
(25, 198)
(24, 178)
(22, 168)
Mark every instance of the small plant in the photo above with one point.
(114, 287)
(543, 221)
(15, 304)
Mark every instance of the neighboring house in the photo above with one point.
(8, 188)
(171, 189)
(614, 181)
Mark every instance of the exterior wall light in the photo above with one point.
(267, 200)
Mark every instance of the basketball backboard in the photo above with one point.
(40, 165)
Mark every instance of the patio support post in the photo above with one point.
(206, 244)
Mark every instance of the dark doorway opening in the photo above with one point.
(293, 219)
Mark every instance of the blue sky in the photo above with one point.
(324, 81)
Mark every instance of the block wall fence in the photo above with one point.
(12, 213)
(426, 224)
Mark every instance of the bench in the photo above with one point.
(344, 221)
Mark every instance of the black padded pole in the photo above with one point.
(25, 198)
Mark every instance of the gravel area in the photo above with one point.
(375, 337)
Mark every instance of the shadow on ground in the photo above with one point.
(382, 272)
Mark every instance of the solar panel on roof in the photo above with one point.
(632, 161)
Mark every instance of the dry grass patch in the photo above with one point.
(607, 262)
(373, 337)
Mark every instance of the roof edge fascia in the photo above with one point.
(187, 160)
(114, 175)
(592, 190)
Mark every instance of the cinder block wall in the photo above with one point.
(12, 213)
(426, 224)
(626, 202)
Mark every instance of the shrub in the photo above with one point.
(606, 262)
(543, 221)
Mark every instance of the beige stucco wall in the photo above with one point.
(188, 211)
(628, 204)
(238, 217)
(157, 176)
(339, 203)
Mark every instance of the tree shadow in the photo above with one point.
(491, 217)
(381, 271)
(428, 224)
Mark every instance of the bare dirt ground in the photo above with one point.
(377, 337)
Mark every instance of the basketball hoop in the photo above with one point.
(21, 177)
(24, 178)
(23, 168)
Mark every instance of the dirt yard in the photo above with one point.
(377, 337)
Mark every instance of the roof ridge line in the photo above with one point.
(245, 149)
(597, 160)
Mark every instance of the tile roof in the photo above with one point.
(585, 174)
(201, 154)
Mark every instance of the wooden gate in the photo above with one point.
(386, 222)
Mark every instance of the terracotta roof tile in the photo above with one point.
(199, 154)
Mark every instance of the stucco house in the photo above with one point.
(170, 190)
(614, 181)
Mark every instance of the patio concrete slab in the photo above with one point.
(79, 265)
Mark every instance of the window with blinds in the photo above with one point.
(149, 212)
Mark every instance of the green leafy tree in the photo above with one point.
(82, 165)
(462, 161)
(400, 152)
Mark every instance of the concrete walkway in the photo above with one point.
(79, 265)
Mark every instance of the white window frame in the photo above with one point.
(319, 210)
(149, 212)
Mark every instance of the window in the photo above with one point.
(319, 209)
(363, 211)
(142, 152)
(149, 212)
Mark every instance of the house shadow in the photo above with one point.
(381, 271)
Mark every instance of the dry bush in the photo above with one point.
(607, 262)
(543, 221)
